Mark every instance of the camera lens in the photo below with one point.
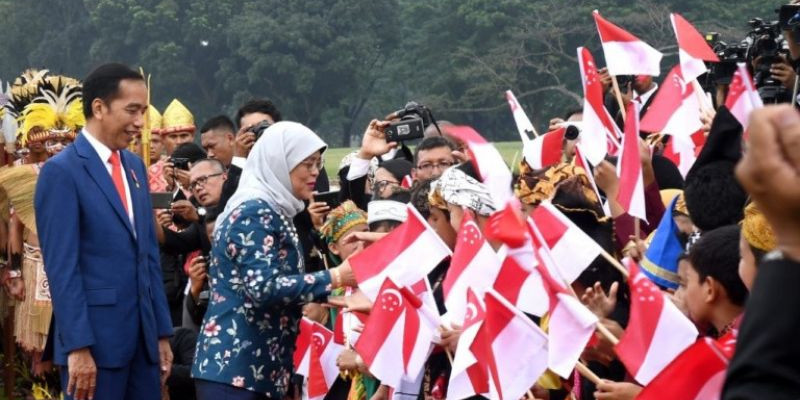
(572, 132)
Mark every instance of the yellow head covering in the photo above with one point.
(57, 111)
(154, 120)
(177, 118)
(756, 230)
(680, 206)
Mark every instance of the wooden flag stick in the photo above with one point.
(607, 333)
(637, 229)
(587, 373)
(618, 95)
(700, 93)
(615, 263)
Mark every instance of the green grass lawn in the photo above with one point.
(511, 152)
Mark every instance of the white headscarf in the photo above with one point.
(265, 175)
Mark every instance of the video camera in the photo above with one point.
(413, 119)
(729, 55)
(767, 46)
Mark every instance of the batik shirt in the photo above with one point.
(258, 287)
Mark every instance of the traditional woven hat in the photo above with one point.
(177, 118)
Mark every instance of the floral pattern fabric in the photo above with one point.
(258, 287)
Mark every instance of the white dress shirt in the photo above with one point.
(643, 98)
(105, 153)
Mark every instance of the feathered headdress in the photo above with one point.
(57, 111)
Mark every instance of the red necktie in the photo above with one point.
(116, 176)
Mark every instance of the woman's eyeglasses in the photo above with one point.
(379, 186)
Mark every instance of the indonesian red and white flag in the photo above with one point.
(315, 357)
(570, 325)
(700, 369)
(467, 377)
(600, 134)
(488, 163)
(507, 226)
(521, 286)
(524, 125)
(474, 265)
(407, 182)
(692, 48)
(510, 347)
(545, 150)
(675, 110)
(626, 54)
(572, 248)
(742, 97)
(629, 168)
(657, 331)
(407, 254)
(396, 340)
(302, 347)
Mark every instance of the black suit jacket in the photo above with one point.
(613, 108)
(767, 360)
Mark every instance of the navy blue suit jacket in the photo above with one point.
(104, 273)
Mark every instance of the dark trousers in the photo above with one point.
(139, 380)
(207, 390)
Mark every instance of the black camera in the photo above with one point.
(413, 119)
(767, 47)
(721, 73)
(180, 163)
(259, 128)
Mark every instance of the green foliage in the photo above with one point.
(336, 64)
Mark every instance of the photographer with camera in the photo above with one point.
(179, 246)
(384, 141)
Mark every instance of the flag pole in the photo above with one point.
(587, 373)
(618, 95)
(637, 230)
(614, 262)
(607, 333)
(699, 92)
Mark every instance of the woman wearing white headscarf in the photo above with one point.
(257, 278)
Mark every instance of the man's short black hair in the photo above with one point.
(190, 151)
(713, 196)
(716, 254)
(433, 142)
(419, 197)
(103, 84)
(258, 105)
(219, 122)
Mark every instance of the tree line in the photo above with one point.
(335, 64)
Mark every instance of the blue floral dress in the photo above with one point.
(258, 287)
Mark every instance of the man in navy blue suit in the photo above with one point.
(95, 224)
